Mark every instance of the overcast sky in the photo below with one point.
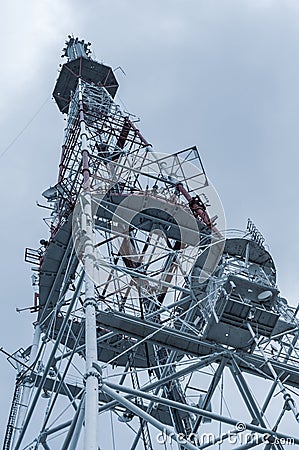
(219, 74)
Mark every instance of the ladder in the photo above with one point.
(12, 416)
(143, 424)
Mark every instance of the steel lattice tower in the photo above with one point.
(147, 312)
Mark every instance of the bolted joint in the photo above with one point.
(289, 402)
(84, 134)
(90, 301)
(95, 374)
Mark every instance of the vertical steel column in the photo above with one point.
(48, 365)
(78, 428)
(211, 390)
(91, 376)
(27, 383)
(73, 434)
(256, 415)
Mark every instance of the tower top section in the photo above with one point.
(76, 49)
(80, 65)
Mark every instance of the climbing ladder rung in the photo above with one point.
(12, 417)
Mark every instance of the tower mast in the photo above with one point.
(144, 305)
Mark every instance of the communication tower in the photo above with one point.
(147, 312)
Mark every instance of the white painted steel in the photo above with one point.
(91, 376)
(24, 401)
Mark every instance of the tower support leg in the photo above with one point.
(27, 385)
(72, 437)
(91, 376)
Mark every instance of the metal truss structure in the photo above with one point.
(153, 328)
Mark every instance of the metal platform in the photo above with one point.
(145, 305)
(87, 69)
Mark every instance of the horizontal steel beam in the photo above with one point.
(157, 334)
(203, 362)
(145, 416)
(194, 410)
(191, 345)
